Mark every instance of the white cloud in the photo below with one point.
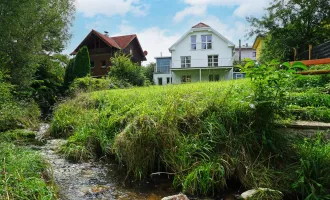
(244, 7)
(192, 10)
(111, 7)
(154, 39)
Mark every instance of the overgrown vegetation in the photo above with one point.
(205, 134)
(23, 174)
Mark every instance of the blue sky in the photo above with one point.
(159, 23)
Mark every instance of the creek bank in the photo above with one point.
(94, 180)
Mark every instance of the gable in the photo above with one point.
(210, 30)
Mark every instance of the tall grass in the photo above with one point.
(203, 133)
(23, 174)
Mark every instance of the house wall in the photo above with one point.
(199, 57)
(224, 74)
(163, 77)
(98, 70)
(137, 56)
(245, 53)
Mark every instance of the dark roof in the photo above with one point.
(106, 39)
(123, 41)
(201, 25)
(119, 42)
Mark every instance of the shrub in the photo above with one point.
(69, 73)
(82, 66)
(124, 69)
(89, 84)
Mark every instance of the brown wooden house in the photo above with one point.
(101, 48)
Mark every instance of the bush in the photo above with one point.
(13, 113)
(69, 74)
(82, 65)
(124, 69)
(89, 84)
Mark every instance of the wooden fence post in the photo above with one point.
(310, 52)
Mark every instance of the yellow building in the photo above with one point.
(258, 45)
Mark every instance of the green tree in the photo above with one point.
(148, 71)
(68, 77)
(47, 86)
(31, 29)
(292, 24)
(124, 69)
(82, 66)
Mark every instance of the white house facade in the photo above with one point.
(202, 54)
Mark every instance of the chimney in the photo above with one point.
(161, 54)
(247, 45)
(106, 33)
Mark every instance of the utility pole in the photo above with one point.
(239, 52)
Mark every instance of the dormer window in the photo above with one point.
(206, 41)
(193, 42)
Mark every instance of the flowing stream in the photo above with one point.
(95, 180)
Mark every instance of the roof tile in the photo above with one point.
(201, 25)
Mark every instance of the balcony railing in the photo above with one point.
(203, 63)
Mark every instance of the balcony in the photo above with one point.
(203, 63)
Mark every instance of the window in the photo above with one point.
(92, 64)
(185, 61)
(254, 54)
(186, 79)
(103, 64)
(163, 65)
(206, 41)
(211, 77)
(216, 77)
(213, 61)
(193, 42)
(239, 76)
(168, 80)
(160, 81)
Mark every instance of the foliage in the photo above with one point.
(312, 173)
(23, 174)
(47, 86)
(29, 31)
(82, 66)
(148, 71)
(89, 84)
(124, 69)
(19, 137)
(292, 24)
(15, 113)
(69, 76)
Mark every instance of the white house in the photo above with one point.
(202, 54)
(246, 52)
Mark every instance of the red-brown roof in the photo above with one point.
(106, 39)
(123, 41)
(201, 25)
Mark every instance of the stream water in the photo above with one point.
(96, 180)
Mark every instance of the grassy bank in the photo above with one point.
(24, 173)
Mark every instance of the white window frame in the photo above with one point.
(213, 63)
(206, 42)
(191, 42)
(184, 61)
